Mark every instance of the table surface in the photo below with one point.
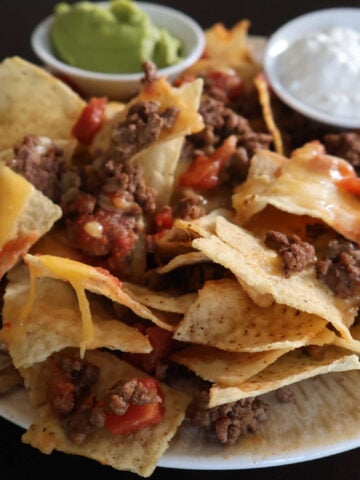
(18, 18)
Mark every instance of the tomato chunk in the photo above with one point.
(203, 173)
(350, 184)
(163, 219)
(90, 120)
(137, 417)
(162, 342)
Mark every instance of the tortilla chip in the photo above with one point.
(159, 161)
(352, 344)
(182, 260)
(288, 369)
(265, 102)
(158, 164)
(186, 99)
(138, 452)
(204, 226)
(32, 101)
(305, 185)
(225, 317)
(259, 271)
(26, 215)
(225, 368)
(228, 46)
(162, 301)
(96, 280)
(54, 322)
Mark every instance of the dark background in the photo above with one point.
(17, 20)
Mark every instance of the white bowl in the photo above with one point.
(294, 30)
(122, 86)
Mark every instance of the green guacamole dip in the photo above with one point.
(116, 39)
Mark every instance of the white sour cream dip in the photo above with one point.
(322, 70)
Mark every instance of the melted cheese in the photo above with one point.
(14, 192)
(76, 274)
(307, 185)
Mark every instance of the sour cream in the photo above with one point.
(322, 70)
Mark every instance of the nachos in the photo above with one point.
(186, 237)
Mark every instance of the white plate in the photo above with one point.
(324, 421)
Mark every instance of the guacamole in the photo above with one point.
(116, 39)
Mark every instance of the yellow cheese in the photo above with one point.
(14, 192)
(306, 184)
(76, 274)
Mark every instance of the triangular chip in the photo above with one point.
(54, 321)
(225, 368)
(185, 99)
(138, 452)
(288, 369)
(259, 272)
(306, 184)
(162, 301)
(32, 101)
(26, 215)
(225, 317)
(86, 277)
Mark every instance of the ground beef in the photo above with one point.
(40, 161)
(339, 268)
(70, 394)
(295, 254)
(221, 121)
(285, 395)
(344, 145)
(72, 380)
(122, 394)
(142, 127)
(230, 421)
(150, 72)
(191, 205)
(104, 209)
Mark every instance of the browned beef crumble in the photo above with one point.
(344, 145)
(221, 121)
(40, 164)
(191, 205)
(285, 395)
(142, 127)
(73, 399)
(111, 195)
(339, 268)
(122, 394)
(295, 254)
(230, 421)
(150, 72)
(70, 394)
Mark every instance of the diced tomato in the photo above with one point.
(162, 343)
(185, 78)
(350, 184)
(203, 173)
(60, 388)
(137, 417)
(163, 219)
(90, 120)
(228, 82)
